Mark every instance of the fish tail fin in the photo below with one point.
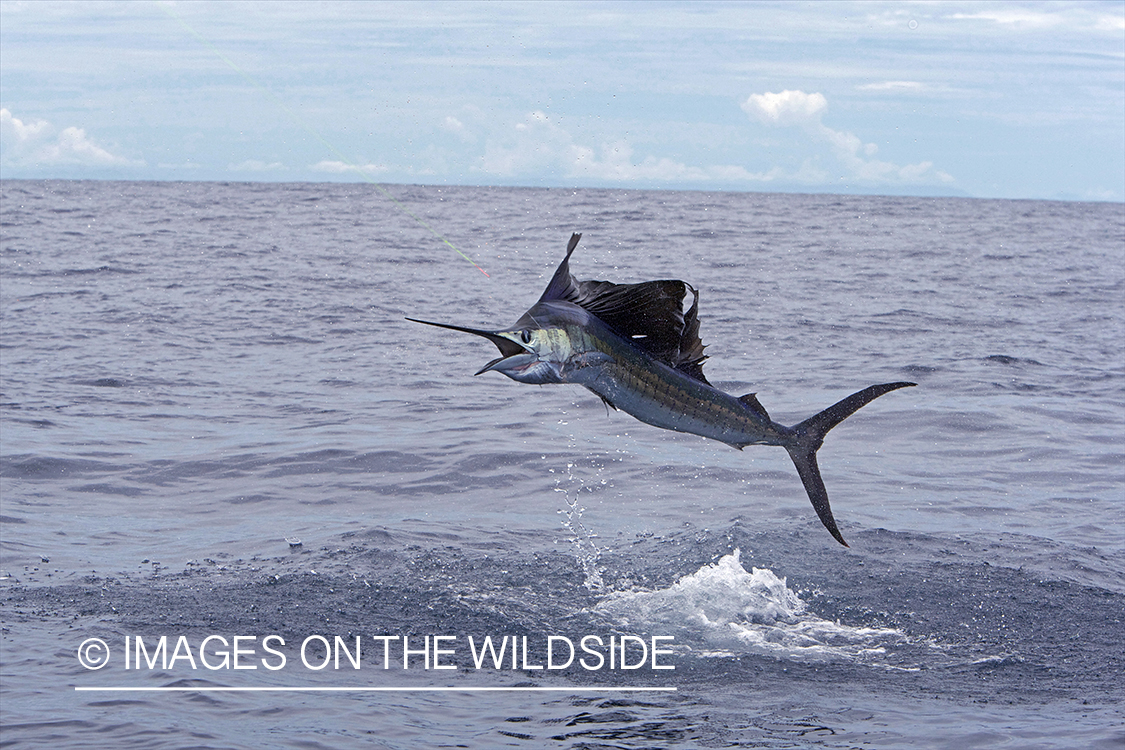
(809, 435)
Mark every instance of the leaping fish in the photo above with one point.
(635, 347)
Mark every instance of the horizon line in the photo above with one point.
(368, 689)
(810, 190)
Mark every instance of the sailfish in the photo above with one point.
(636, 347)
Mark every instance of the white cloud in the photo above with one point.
(616, 163)
(1015, 16)
(73, 147)
(1110, 23)
(1060, 17)
(340, 167)
(892, 86)
(796, 108)
(537, 144)
(455, 126)
(26, 144)
(19, 130)
(786, 108)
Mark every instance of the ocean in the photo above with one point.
(247, 504)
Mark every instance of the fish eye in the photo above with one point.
(525, 336)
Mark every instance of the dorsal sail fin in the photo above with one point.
(562, 285)
(691, 347)
(649, 314)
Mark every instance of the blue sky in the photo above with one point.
(1012, 100)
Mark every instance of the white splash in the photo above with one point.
(586, 551)
(723, 610)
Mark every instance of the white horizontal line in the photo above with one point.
(122, 689)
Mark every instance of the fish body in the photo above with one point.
(579, 348)
(639, 351)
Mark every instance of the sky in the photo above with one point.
(983, 99)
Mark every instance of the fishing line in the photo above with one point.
(311, 131)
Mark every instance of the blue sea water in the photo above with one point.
(215, 421)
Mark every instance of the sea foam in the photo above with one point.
(723, 610)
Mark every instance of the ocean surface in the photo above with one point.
(216, 424)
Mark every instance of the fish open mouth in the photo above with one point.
(514, 356)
